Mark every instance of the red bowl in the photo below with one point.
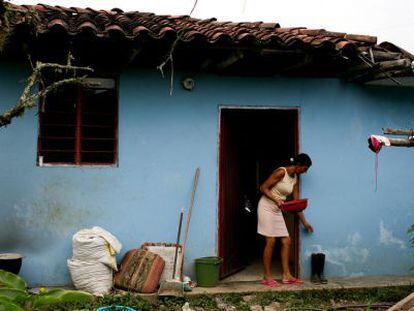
(295, 205)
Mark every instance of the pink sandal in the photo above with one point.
(269, 283)
(292, 281)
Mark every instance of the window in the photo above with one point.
(78, 125)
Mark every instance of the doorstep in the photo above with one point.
(254, 286)
(335, 283)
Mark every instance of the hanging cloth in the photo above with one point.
(375, 143)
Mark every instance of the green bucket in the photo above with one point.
(207, 271)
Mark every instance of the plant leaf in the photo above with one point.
(6, 305)
(55, 296)
(10, 280)
(13, 294)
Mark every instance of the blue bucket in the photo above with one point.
(112, 308)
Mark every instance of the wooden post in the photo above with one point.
(396, 142)
(392, 131)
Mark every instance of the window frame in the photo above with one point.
(90, 83)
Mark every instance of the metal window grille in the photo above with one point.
(78, 125)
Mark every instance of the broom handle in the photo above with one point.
(187, 226)
(177, 245)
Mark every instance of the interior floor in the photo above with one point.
(254, 272)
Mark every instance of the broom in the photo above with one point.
(175, 287)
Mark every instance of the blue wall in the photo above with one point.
(162, 139)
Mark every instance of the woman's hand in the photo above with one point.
(308, 227)
(279, 202)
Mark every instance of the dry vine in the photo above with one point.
(170, 54)
(30, 98)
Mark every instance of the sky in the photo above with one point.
(389, 20)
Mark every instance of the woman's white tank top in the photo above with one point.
(284, 187)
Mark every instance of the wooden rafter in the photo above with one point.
(400, 142)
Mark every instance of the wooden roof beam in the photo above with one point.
(381, 70)
(398, 142)
(393, 131)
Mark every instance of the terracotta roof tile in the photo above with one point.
(133, 25)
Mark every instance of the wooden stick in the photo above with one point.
(177, 246)
(187, 226)
(396, 142)
(393, 131)
(395, 64)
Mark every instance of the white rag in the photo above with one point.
(384, 140)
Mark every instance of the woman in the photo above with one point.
(271, 224)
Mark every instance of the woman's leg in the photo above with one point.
(284, 254)
(267, 257)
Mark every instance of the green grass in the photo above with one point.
(303, 300)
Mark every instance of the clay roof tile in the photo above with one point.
(102, 23)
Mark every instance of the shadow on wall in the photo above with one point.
(32, 223)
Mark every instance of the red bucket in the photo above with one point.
(295, 205)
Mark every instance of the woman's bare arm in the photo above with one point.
(300, 214)
(295, 193)
(269, 183)
(305, 222)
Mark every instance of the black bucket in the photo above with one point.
(11, 262)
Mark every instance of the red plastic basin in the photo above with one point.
(295, 205)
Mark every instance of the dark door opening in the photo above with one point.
(253, 143)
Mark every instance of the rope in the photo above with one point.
(376, 170)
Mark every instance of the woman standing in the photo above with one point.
(271, 224)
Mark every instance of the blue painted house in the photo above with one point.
(236, 100)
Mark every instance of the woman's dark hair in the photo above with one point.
(302, 159)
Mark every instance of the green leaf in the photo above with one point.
(6, 305)
(10, 280)
(55, 296)
(12, 294)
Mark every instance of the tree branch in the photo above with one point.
(29, 100)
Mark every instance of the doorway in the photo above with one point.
(253, 143)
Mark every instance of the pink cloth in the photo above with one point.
(270, 219)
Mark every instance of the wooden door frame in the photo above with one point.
(220, 224)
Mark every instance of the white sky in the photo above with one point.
(389, 20)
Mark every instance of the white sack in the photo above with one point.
(91, 276)
(96, 244)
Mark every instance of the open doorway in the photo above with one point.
(253, 143)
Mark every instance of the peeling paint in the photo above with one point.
(386, 237)
(347, 258)
(354, 238)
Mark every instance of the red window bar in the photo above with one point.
(79, 126)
